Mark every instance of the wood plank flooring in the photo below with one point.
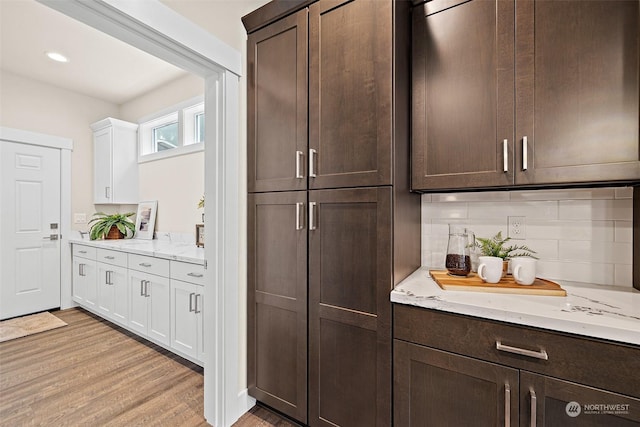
(92, 373)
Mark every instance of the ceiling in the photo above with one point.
(99, 65)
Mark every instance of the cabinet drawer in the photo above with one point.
(83, 251)
(112, 257)
(589, 361)
(187, 272)
(149, 264)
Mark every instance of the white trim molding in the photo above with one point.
(65, 145)
(155, 28)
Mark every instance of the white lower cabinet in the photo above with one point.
(187, 305)
(149, 306)
(113, 292)
(84, 282)
(158, 299)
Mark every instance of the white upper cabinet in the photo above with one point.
(115, 162)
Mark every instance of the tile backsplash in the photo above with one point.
(580, 235)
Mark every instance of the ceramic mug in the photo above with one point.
(490, 269)
(524, 270)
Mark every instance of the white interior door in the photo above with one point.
(29, 229)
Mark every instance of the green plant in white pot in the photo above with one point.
(112, 226)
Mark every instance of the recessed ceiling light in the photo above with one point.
(58, 57)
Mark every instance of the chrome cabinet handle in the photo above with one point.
(525, 154)
(312, 159)
(191, 295)
(81, 269)
(194, 274)
(144, 264)
(299, 222)
(142, 288)
(507, 405)
(107, 192)
(107, 278)
(312, 208)
(534, 408)
(505, 155)
(82, 252)
(299, 173)
(109, 257)
(196, 310)
(542, 354)
(146, 288)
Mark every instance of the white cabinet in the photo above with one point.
(187, 306)
(84, 276)
(112, 283)
(115, 165)
(149, 306)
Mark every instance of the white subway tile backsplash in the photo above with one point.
(624, 231)
(571, 194)
(581, 235)
(534, 210)
(596, 209)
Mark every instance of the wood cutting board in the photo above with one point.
(507, 285)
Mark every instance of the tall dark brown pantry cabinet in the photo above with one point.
(332, 226)
(525, 93)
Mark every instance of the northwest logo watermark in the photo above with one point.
(573, 409)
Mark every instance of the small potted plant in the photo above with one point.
(114, 226)
(495, 246)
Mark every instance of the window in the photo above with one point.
(177, 130)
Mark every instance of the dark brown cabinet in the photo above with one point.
(277, 105)
(525, 93)
(277, 301)
(498, 372)
(319, 341)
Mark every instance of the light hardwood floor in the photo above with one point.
(92, 373)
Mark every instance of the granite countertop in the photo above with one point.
(163, 248)
(607, 312)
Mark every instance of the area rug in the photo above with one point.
(28, 325)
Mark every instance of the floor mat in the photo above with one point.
(28, 325)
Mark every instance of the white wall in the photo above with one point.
(177, 183)
(581, 235)
(37, 107)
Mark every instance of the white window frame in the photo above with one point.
(184, 113)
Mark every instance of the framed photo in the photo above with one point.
(200, 235)
(146, 219)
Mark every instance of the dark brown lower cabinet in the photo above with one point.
(454, 370)
(549, 402)
(350, 278)
(438, 388)
(277, 301)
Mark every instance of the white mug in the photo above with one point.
(490, 269)
(524, 270)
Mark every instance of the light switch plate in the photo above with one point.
(79, 218)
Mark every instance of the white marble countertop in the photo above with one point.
(166, 249)
(607, 312)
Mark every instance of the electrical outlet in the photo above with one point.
(517, 227)
(80, 218)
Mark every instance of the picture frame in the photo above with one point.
(200, 235)
(146, 219)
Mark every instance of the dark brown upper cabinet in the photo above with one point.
(277, 106)
(350, 93)
(525, 93)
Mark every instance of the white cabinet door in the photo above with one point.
(112, 292)
(84, 282)
(149, 308)
(184, 324)
(102, 165)
(158, 295)
(138, 307)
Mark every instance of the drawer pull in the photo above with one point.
(109, 257)
(144, 264)
(507, 405)
(82, 252)
(542, 354)
(194, 274)
(191, 295)
(534, 408)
